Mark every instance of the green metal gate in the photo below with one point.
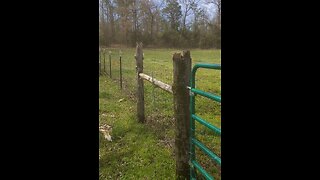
(193, 141)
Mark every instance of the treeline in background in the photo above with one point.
(160, 23)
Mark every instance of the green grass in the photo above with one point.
(135, 152)
(153, 145)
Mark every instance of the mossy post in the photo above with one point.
(181, 76)
(140, 86)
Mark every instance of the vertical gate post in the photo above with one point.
(181, 76)
(140, 88)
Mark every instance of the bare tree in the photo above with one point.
(151, 12)
(175, 23)
(187, 6)
(217, 4)
(103, 31)
(110, 15)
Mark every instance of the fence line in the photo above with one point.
(182, 69)
(181, 74)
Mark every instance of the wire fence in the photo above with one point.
(158, 103)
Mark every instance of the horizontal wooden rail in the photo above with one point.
(158, 83)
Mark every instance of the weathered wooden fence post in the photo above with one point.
(181, 76)
(140, 89)
(99, 61)
(110, 64)
(120, 73)
(104, 61)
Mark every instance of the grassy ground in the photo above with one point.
(138, 150)
(135, 152)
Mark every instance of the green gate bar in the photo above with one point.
(199, 167)
(208, 95)
(205, 123)
(206, 150)
(193, 141)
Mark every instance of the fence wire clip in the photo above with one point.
(190, 92)
(191, 165)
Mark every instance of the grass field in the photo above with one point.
(146, 151)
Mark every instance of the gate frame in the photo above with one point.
(193, 141)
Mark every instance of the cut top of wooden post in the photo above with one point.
(176, 56)
(183, 60)
(185, 55)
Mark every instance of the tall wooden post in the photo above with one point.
(120, 73)
(104, 61)
(110, 65)
(181, 76)
(99, 61)
(140, 88)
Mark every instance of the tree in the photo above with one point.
(188, 6)
(151, 12)
(217, 4)
(173, 12)
(170, 23)
(110, 18)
